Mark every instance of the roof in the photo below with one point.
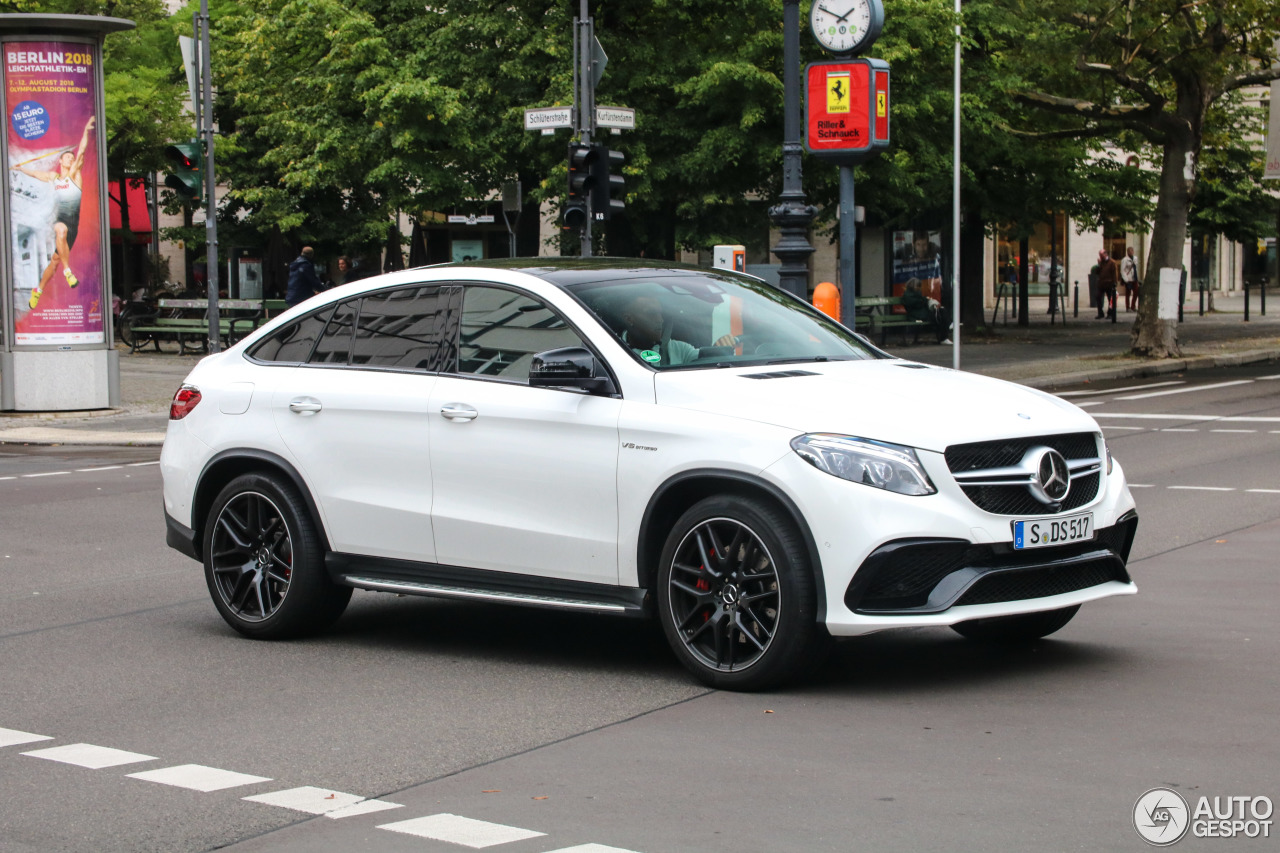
(565, 272)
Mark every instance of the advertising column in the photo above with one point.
(57, 352)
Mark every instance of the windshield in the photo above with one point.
(714, 320)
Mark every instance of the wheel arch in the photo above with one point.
(229, 464)
(683, 490)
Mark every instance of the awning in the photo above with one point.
(139, 215)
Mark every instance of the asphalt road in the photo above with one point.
(488, 724)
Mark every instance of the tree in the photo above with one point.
(1154, 70)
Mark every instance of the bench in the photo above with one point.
(185, 321)
(875, 313)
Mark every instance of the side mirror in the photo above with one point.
(570, 367)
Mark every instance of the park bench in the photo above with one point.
(875, 313)
(185, 321)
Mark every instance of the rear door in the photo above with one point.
(355, 419)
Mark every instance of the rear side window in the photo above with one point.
(335, 344)
(400, 329)
(293, 343)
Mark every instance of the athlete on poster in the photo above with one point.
(54, 174)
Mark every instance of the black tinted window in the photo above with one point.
(400, 328)
(293, 343)
(335, 344)
(501, 330)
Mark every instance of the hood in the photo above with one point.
(888, 400)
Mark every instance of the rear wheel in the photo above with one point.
(1016, 629)
(264, 564)
(736, 595)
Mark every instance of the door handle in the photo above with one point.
(305, 406)
(458, 412)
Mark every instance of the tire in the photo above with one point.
(1016, 629)
(750, 622)
(264, 563)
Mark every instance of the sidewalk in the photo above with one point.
(1039, 355)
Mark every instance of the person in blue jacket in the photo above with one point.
(303, 281)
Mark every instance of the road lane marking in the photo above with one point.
(1277, 376)
(88, 755)
(1086, 405)
(1250, 431)
(1141, 486)
(197, 777)
(362, 807)
(1187, 390)
(141, 464)
(476, 834)
(103, 468)
(591, 848)
(1264, 491)
(46, 474)
(308, 799)
(1120, 390)
(8, 478)
(1204, 488)
(13, 737)
(1109, 426)
(1176, 429)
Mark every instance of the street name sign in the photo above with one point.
(540, 118)
(470, 219)
(623, 118)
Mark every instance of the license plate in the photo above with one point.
(1044, 533)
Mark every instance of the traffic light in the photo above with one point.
(185, 174)
(575, 208)
(606, 183)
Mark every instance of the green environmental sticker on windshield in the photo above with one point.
(650, 356)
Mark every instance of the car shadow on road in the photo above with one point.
(934, 660)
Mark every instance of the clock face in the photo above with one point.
(843, 26)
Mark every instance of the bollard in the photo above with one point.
(1262, 296)
(1075, 308)
(1202, 302)
(1246, 301)
(826, 298)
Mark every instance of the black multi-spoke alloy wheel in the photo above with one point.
(1016, 629)
(264, 563)
(736, 595)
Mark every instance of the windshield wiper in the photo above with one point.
(807, 358)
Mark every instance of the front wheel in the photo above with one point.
(264, 564)
(736, 595)
(1016, 629)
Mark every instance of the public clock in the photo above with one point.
(846, 26)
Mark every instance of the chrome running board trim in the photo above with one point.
(442, 591)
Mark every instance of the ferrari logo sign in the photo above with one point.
(847, 109)
(838, 92)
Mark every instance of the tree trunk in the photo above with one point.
(1024, 275)
(972, 252)
(126, 243)
(1152, 336)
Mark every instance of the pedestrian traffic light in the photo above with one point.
(575, 207)
(606, 183)
(185, 172)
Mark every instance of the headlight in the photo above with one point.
(860, 460)
(1106, 451)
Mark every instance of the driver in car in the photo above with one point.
(643, 333)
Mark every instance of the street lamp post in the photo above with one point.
(792, 215)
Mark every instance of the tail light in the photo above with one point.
(184, 401)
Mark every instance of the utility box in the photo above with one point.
(730, 258)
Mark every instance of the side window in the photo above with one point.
(335, 344)
(400, 328)
(293, 343)
(502, 330)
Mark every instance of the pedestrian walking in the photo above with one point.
(303, 281)
(1129, 280)
(1108, 278)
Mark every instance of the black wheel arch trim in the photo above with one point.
(202, 501)
(646, 560)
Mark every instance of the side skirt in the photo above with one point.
(406, 577)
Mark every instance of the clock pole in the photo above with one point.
(792, 216)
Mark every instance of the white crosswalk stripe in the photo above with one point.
(197, 777)
(466, 831)
(88, 755)
(13, 737)
(322, 801)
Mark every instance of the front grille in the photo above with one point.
(1001, 454)
(1042, 582)
(1017, 500)
(902, 576)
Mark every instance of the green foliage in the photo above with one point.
(1231, 198)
